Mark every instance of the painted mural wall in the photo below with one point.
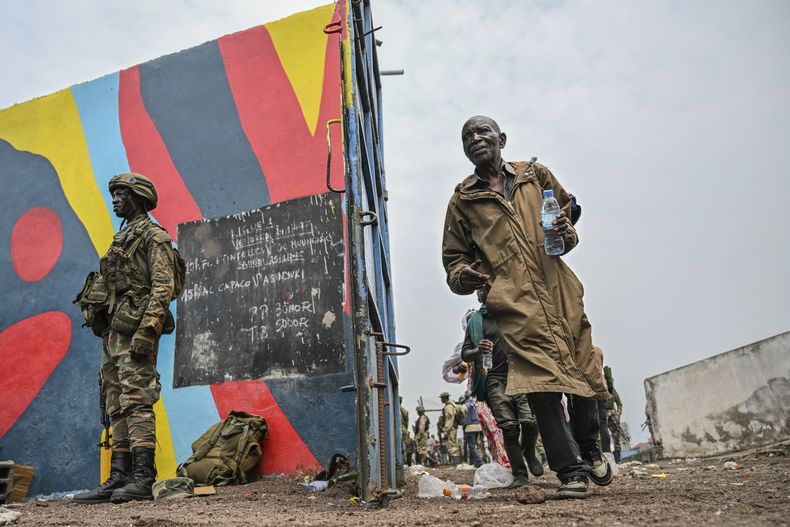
(227, 126)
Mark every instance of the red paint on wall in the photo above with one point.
(36, 243)
(29, 352)
(148, 155)
(292, 159)
(284, 452)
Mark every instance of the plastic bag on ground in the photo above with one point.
(416, 470)
(464, 466)
(493, 476)
(430, 486)
(7, 516)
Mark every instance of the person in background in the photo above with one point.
(603, 412)
(404, 432)
(512, 412)
(421, 432)
(472, 429)
(449, 428)
(614, 409)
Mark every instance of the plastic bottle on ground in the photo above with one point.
(316, 486)
(430, 486)
(553, 243)
(466, 492)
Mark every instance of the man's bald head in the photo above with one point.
(483, 119)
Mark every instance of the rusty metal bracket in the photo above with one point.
(390, 344)
(329, 123)
(374, 218)
(396, 353)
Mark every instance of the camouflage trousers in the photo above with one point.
(421, 440)
(612, 415)
(451, 436)
(130, 389)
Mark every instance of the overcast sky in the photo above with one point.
(669, 120)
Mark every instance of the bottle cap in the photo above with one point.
(548, 194)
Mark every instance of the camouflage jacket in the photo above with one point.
(150, 279)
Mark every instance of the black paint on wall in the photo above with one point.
(263, 296)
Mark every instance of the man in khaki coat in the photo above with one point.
(493, 239)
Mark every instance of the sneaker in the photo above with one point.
(574, 488)
(600, 470)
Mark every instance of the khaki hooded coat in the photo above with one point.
(535, 299)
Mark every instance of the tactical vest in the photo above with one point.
(117, 296)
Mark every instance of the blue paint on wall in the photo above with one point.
(97, 103)
(188, 97)
(191, 410)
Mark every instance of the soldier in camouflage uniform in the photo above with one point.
(421, 427)
(404, 433)
(137, 276)
(614, 409)
(450, 429)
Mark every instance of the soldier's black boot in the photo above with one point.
(617, 455)
(516, 457)
(120, 472)
(143, 475)
(529, 438)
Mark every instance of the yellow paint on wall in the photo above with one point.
(300, 42)
(165, 453)
(50, 126)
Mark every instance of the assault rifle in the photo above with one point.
(105, 419)
(613, 422)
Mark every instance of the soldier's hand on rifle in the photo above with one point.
(141, 348)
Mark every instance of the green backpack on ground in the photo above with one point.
(226, 451)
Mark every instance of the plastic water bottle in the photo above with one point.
(466, 492)
(553, 243)
(488, 361)
(316, 486)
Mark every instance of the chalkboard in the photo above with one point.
(263, 294)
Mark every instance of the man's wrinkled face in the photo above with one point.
(482, 140)
(123, 204)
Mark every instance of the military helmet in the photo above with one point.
(139, 185)
(461, 399)
(420, 408)
(444, 395)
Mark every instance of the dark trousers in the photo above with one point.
(564, 442)
(606, 439)
(470, 438)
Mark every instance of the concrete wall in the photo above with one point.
(733, 401)
(230, 125)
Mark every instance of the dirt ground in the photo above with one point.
(698, 492)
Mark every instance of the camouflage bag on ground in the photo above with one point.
(227, 451)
